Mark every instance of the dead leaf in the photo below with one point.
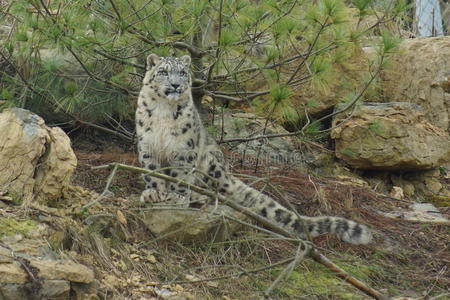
(121, 218)
(213, 284)
(151, 259)
(191, 277)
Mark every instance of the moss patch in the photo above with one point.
(10, 226)
(314, 281)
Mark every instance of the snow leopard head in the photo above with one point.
(168, 76)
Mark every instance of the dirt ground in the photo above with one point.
(406, 258)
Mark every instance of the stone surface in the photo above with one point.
(12, 291)
(12, 273)
(389, 136)
(239, 124)
(54, 277)
(82, 291)
(36, 162)
(55, 289)
(189, 225)
(420, 212)
(420, 74)
(424, 183)
(397, 192)
(67, 270)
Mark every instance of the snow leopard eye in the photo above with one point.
(183, 73)
(162, 72)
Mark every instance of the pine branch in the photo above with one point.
(301, 131)
(118, 59)
(56, 105)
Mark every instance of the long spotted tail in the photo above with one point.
(346, 230)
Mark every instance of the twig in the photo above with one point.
(56, 105)
(219, 38)
(105, 191)
(102, 128)
(439, 296)
(118, 59)
(301, 131)
(308, 54)
(78, 59)
(235, 275)
(194, 51)
(302, 250)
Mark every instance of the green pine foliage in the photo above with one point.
(84, 59)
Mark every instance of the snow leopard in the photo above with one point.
(172, 139)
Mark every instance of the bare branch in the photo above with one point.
(118, 59)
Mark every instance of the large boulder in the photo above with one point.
(36, 161)
(389, 136)
(420, 74)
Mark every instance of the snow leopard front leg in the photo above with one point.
(216, 168)
(155, 188)
(182, 167)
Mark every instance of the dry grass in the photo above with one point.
(406, 258)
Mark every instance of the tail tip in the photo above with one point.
(360, 235)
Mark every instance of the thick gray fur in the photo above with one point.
(171, 138)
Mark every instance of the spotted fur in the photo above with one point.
(172, 138)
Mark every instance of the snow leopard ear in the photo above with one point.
(152, 60)
(186, 60)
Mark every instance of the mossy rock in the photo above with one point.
(10, 226)
(438, 200)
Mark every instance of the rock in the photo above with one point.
(55, 289)
(438, 200)
(37, 160)
(81, 291)
(12, 273)
(421, 184)
(40, 289)
(63, 269)
(51, 276)
(420, 74)
(389, 136)
(13, 291)
(32, 247)
(5, 255)
(419, 212)
(189, 225)
(397, 192)
(58, 167)
(239, 124)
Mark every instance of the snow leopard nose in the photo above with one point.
(175, 85)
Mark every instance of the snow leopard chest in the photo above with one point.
(167, 131)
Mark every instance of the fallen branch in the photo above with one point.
(313, 253)
(301, 253)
